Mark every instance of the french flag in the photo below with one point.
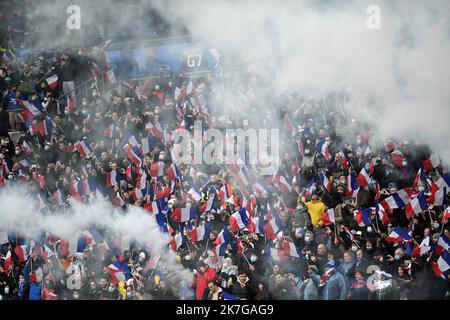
(325, 182)
(328, 217)
(362, 216)
(135, 156)
(29, 110)
(260, 189)
(185, 214)
(443, 182)
(292, 250)
(398, 235)
(443, 244)
(397, 200)
(438, 196)
(172, 172)
(92, 236)
(52, 80)
(109, 131)
(432, 162)
(110, 76)
(259, 224)
(381, 212)
(239, 220)
(177, 241)
(200, 233)
(8, 261)
(148, 144)
(58, 197)
(310, 187)
(363, 178)
(194, 195)
(154, 129)
(423, 248)
(444, 261)
(190, 88)
(42, 128)
(416, 206)
(349, 234)
(322, 148)
(446, 215)
(179, 93)
(157, 169)
(73, 191)
(421, 176)
(221, 243)
(352, 185)
(210, 202)
(282, 183)
(272, 228)
(83, 148)
(116, 274)
(24, 163)
(112, 178)
(345, 160)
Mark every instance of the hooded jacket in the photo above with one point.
(316, 209)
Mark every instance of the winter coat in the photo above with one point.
(202, 280)
(302, 217)
(309, 289)
(335, 288)
(316, 209)
(35, 291)
(245, 292)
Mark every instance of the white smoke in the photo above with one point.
(19, 214)
(326, 46)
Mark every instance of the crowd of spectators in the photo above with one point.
(349, 258)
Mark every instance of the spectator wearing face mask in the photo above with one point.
(397, 260)
(333, 284)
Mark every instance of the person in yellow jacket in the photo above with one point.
(315, 209)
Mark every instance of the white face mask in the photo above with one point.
(404, 163)
(354, 248)
(6, 290)
(253, 258)
(436, 225)
(421, 188)
(307, 239)
(358, 141)
(46, 148)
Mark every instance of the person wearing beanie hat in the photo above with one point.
(333, 283)
(203, 275)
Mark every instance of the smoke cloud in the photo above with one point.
(19, 214)
(396, 76)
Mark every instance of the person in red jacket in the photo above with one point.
(48, 293)
(203, 276)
